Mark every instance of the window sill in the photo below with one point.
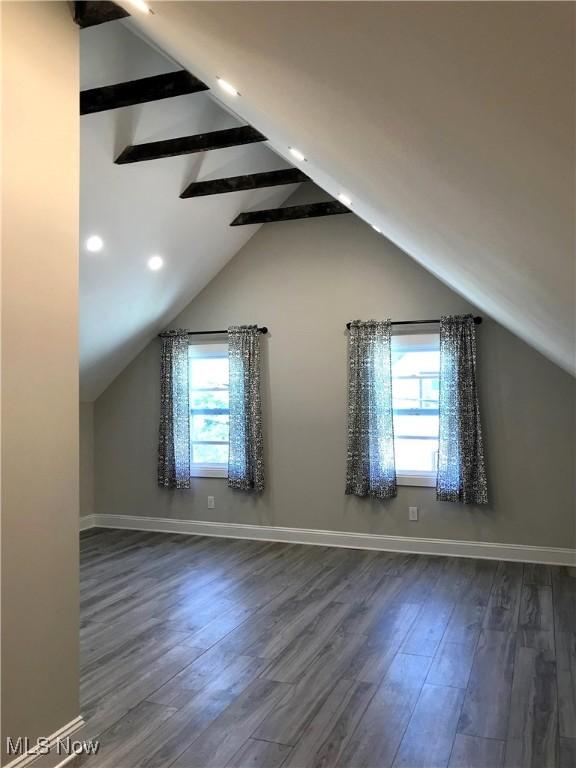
(425, 481)
(209, 472)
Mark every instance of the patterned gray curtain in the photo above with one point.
(246, 458)
(174, 440)
(461, 472)
(371, 469)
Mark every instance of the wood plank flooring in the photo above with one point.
(216, 653)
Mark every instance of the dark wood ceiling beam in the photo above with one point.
(202, 142)
(93, 12)
(312, 210)
(249, 181)
(139, 91)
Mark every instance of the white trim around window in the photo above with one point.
(200, 470)
(202, 350)
(420, 479)
(414, 404)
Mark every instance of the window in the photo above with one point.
(209, 409)
(415, 390)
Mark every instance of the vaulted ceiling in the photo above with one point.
(449, 125)
(137, 211)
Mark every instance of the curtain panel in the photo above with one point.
(246, 457)
(370, 456)
(461, 470)
(174, 437)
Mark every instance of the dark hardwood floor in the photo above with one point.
(205, 653)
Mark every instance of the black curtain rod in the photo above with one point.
(262, 329)
(477, 321)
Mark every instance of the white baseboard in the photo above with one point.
(88, 521)
(34, 755)
(478, 549)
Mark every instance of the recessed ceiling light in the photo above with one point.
(94, 243)
(141, 5)
(225, 85)
(345, 200)
(155, 263)
(376, 229)
(297, 154)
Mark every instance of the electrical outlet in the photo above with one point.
(211, 504)
(412, 513)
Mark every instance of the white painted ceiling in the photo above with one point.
(137, 211)
(450, 125)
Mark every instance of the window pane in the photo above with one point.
(430, 392)
(209, 454)
(415, 426)
(406, 393)
(200, 398)
(415, 455)
(210, 428)
(415, 386)
(415, 363)
(208, 381)
(208, 372)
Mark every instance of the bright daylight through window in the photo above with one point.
(415, 389)
(209, 409)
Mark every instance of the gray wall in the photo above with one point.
(86, 459)
(39, 458)
(304, 280)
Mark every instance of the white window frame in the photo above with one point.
(218, 348)
(421, 478)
